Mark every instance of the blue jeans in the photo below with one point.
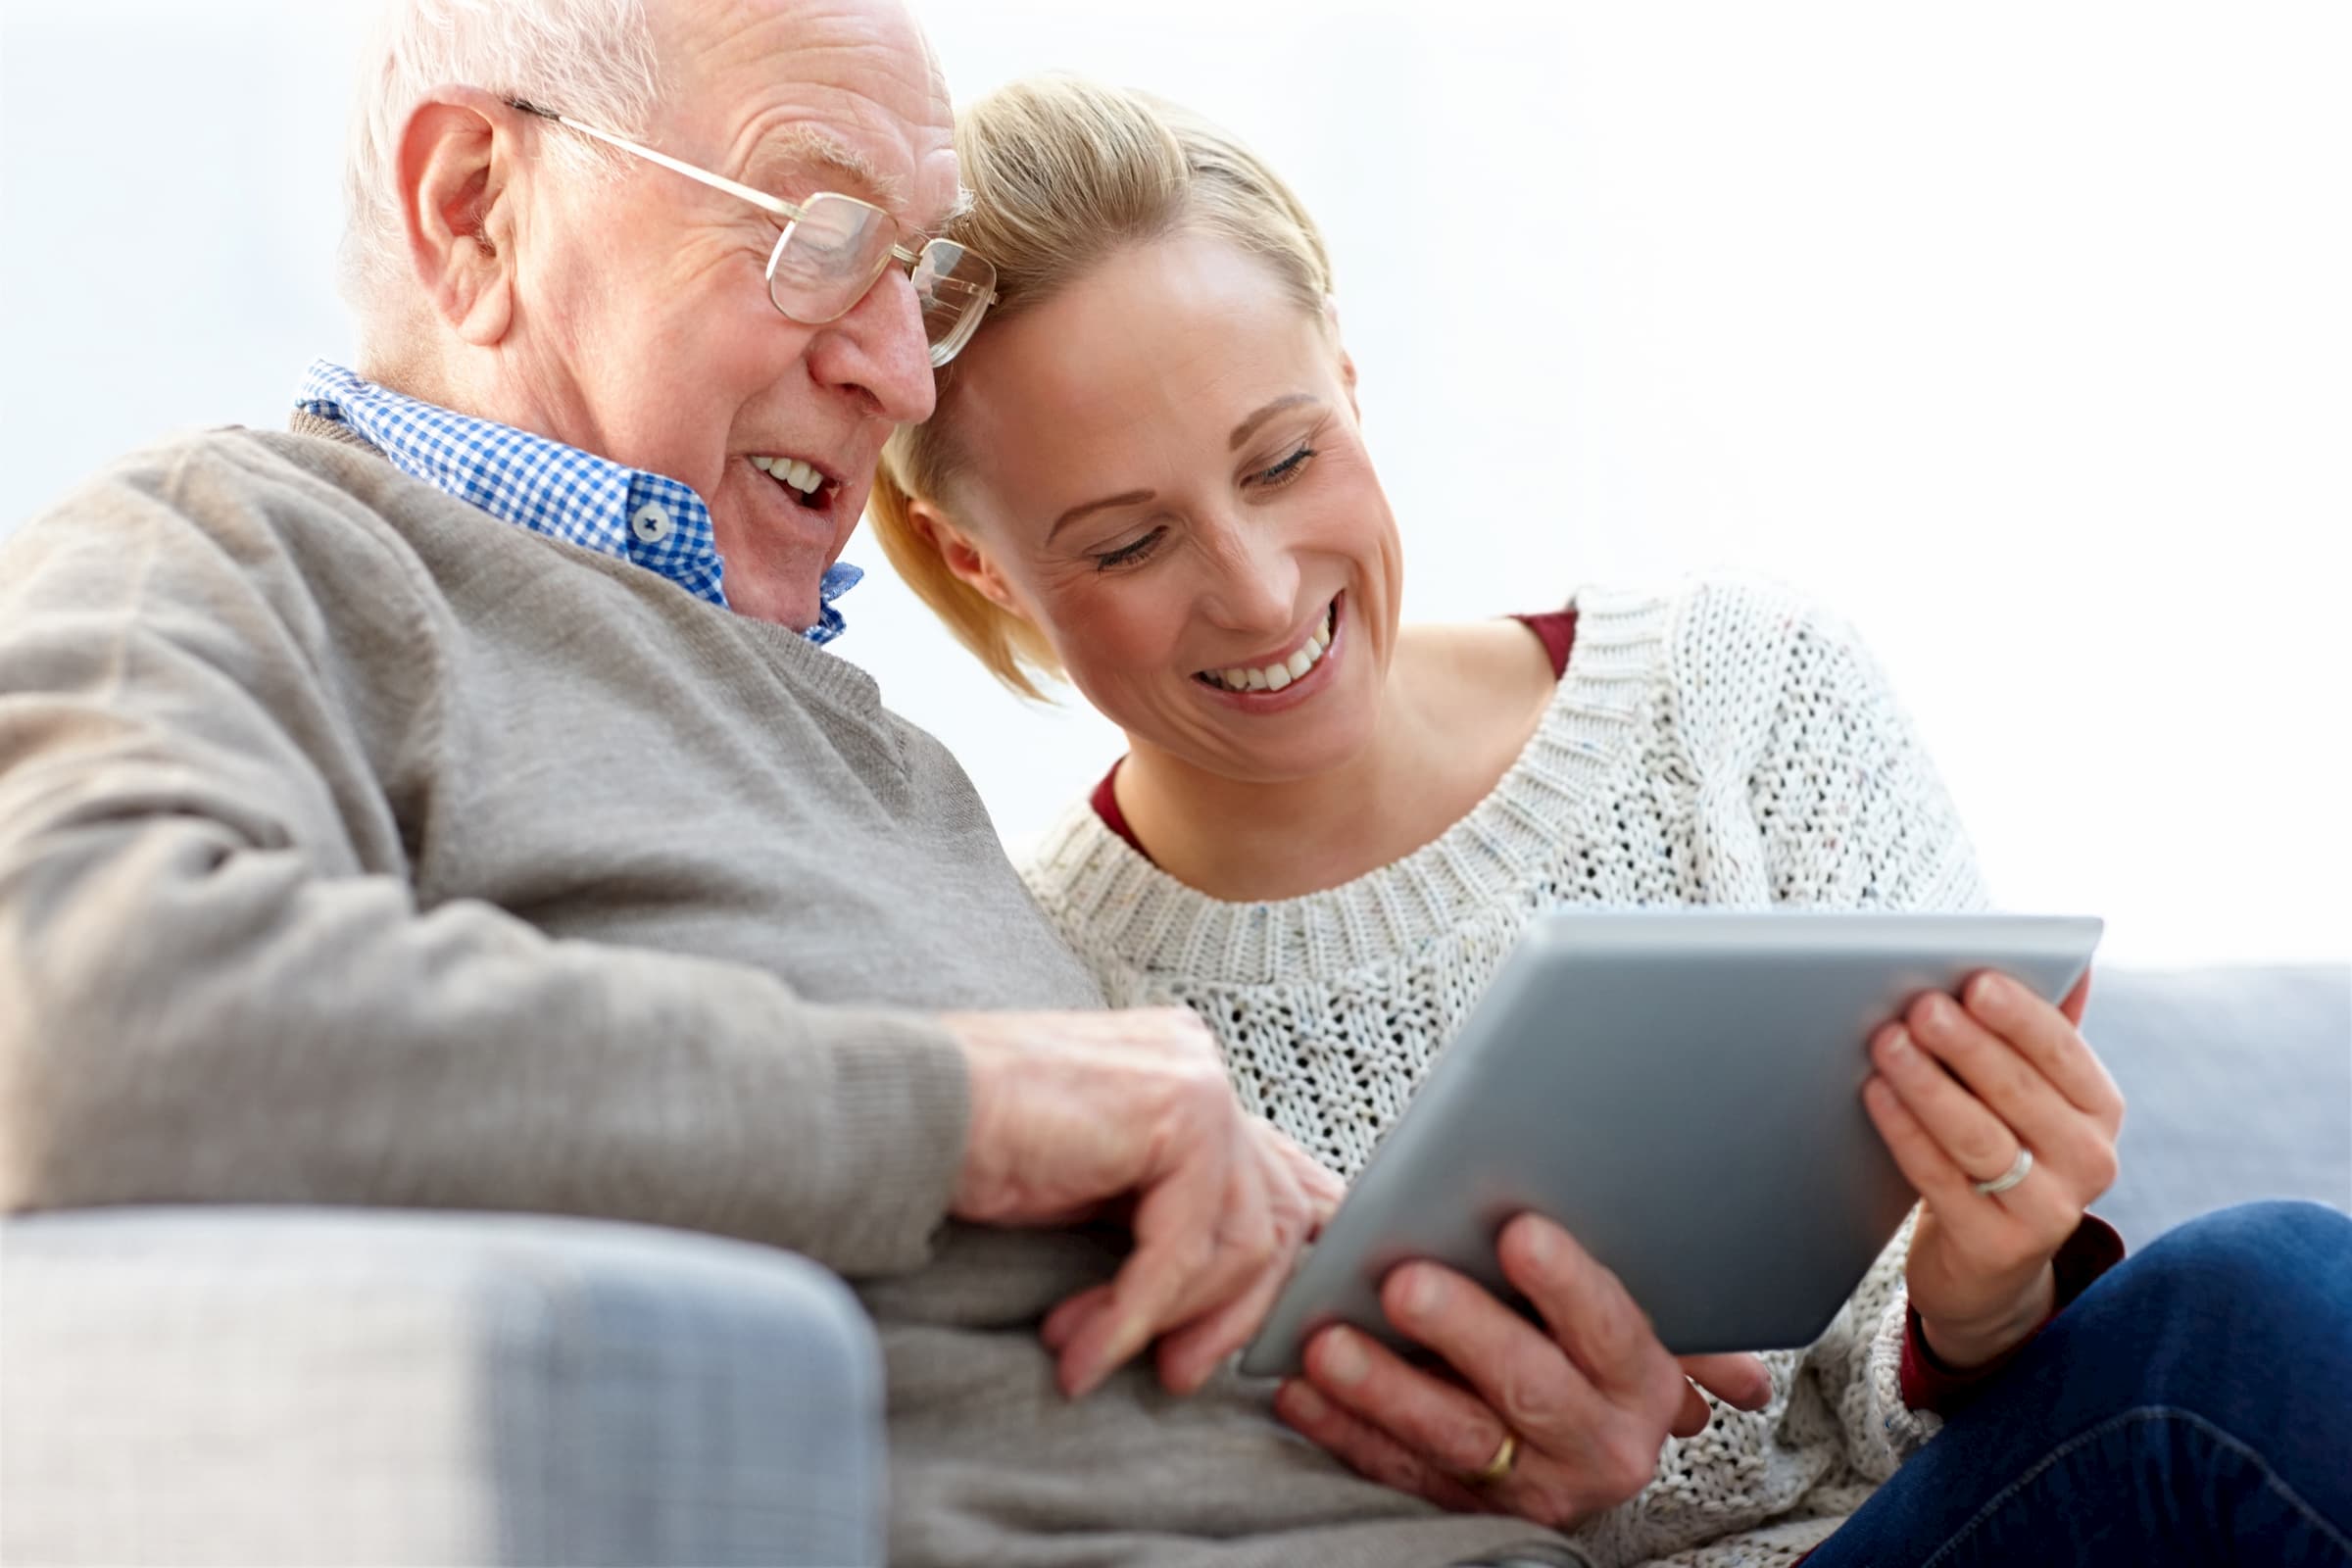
(2193, 1407)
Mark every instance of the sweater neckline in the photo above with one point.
(1111, 897)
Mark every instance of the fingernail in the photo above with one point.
(1896, 1044)
(1991, 991)
(1301, 1402)
(1418, 1295)
(1543, 1247)
(1344, 1360)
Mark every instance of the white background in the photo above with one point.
(2021, 333)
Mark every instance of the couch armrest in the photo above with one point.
(264, 1386)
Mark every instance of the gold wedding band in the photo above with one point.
(1496, 1468)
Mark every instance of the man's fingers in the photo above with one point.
(1454, 1428)
(1742, 1382)
(1199, 1282)
(1189, 1356)
(1062, 1324)
(1296, 1195)
(1179, 1245)
(1369, 1452)
(1693, 1415)
(1321, 1183)
(1588, 1310)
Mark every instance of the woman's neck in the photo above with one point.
(1455, 711)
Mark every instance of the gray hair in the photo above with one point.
(591, 59)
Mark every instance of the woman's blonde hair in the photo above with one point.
(1063, 173)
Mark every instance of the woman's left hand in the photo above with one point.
(1961, 1088)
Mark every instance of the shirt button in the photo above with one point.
(650, 524)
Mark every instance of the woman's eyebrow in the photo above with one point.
(1135, 498)
(1243, 431)
(1130, 498)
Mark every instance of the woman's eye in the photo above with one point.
(1287, 469)
(1129, 555)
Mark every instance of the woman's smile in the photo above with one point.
(1286, 680)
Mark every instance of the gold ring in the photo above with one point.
(1496, 1468)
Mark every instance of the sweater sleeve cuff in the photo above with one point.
(1930, 1385)
(899, 1116)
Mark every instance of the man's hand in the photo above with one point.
(1960, 1088)
(1587, 1406)
(1074, 1111)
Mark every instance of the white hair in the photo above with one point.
(592, 59)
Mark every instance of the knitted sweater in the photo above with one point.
(1725, 745)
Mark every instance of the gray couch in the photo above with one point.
(305, 1386)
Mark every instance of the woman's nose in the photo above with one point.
(1256, 584)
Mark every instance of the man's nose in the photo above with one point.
(879, 349)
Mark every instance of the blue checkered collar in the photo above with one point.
(547, 487)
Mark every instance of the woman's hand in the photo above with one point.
(1553, 1426)
(1960, 1089)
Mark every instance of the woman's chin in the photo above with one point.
(1300, 745)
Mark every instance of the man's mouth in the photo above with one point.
(802, 479)
(1274, 676)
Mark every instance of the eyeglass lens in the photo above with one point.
(830, 256)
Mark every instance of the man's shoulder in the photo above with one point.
(290, 509)
(227, 474)
(234, 524)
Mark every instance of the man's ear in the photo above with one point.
(1330, 322)
(457, 155)
(964, 558)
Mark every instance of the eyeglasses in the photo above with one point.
(835, 247)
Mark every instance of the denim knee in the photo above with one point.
(2281, 1254)
(2263, 1286)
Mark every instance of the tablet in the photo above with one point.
(1680, 1089)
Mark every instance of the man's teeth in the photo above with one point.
(1274, 677)
(793, 472)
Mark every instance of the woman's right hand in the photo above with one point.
(1075, 1111)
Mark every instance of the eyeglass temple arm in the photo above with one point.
(758, 198)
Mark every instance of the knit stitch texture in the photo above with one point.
(1726, 745)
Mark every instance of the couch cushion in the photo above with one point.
(2239, 1083)
(311, 1386)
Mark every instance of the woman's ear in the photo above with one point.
(964, 557)
(456, 153)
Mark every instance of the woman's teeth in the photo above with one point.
(1274, 677)
(792, 472)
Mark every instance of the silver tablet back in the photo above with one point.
(1681, 1091)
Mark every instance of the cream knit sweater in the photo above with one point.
(1725, 745)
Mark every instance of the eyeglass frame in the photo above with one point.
(793, 214)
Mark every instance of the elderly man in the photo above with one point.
(447, 803)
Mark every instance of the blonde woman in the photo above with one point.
(1147, 477)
